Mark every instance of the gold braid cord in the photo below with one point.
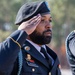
(15, 42)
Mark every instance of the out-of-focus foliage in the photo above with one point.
(3, 35)
(8, 10)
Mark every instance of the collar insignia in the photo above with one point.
(27, 48)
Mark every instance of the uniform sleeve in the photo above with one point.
(70, 50)
(9, 50)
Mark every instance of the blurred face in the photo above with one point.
(43, 33)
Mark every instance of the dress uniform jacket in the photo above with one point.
(70, 50)
(33, 62)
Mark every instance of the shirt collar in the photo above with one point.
(36, 46)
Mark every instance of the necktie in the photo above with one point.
(46, 56)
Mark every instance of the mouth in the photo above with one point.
(48, 33)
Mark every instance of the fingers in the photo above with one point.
(34, 19)
(36, 22)
(30, 25)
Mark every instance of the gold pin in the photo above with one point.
(27, 48)
(28, 57)
(33, 69)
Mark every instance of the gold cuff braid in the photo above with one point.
(15, 42)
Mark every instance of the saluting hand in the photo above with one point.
(30, 25)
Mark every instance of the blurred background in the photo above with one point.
(63, 15)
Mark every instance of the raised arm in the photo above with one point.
(10, 48)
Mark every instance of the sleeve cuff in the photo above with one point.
(19, 37)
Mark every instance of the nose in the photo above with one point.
(48, 25)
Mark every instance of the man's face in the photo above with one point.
(43, 33)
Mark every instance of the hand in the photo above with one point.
(30, 25)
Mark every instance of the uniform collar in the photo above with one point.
(30, 49)
(36, 46)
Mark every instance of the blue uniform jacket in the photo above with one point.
(33, 61)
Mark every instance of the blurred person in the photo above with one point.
(25, 52)
(70, 50)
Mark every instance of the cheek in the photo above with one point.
(39, 32)
(40, 27)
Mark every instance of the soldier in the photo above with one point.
(34, 32)
(70, 50)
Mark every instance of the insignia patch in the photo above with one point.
(27, 48)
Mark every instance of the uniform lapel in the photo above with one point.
(54, 56)
(34, 53)
(51, 53)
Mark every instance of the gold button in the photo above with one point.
(33, 69)
(49, 73)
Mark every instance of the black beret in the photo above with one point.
(29, 10)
